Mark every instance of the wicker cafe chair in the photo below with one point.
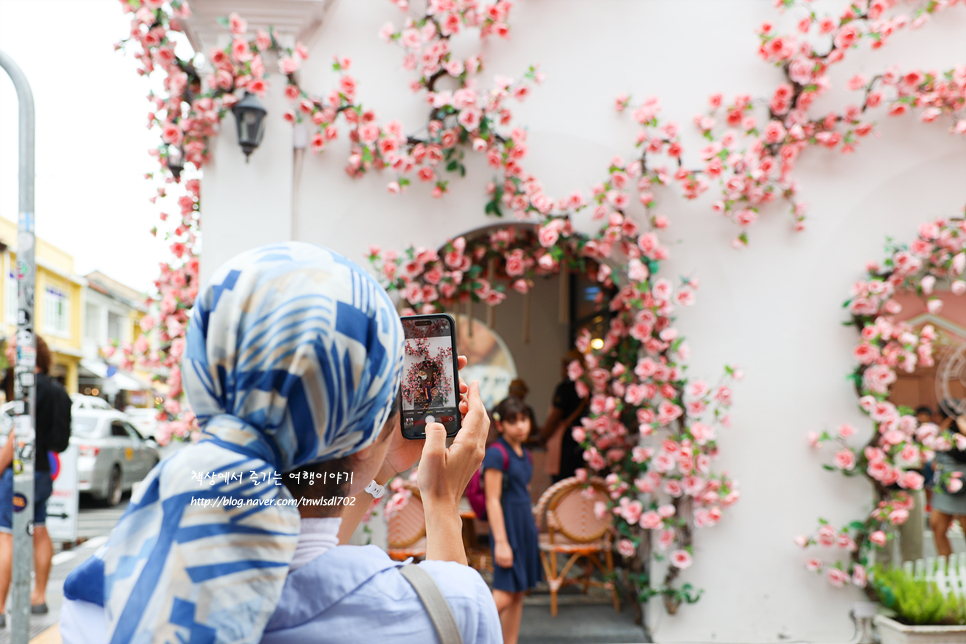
(406, 529)
(574, 532)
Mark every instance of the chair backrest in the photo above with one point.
(407, 525)
(571, 510)
(540, 509)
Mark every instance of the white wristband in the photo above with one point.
(376, 490)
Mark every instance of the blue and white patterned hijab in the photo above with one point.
(294, 356)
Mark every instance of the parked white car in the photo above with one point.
(112, 455)
(80, 401)
(144, 420)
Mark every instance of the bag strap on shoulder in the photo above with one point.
(439, 610)
(506, 457)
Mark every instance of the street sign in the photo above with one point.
(62, 507)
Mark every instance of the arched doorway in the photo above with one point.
(527, 333)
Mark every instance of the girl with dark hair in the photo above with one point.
(507, 468)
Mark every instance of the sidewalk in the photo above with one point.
(581, 619)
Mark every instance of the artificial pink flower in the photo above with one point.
(837, 577)
(625, 547)
(845, 459)
(681, 559)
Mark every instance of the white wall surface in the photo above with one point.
(774, 308)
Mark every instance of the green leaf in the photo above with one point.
(223, 21)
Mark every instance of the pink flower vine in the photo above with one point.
(751, 154)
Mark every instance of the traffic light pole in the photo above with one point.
(25, 412)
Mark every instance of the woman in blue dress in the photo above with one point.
(507, 468)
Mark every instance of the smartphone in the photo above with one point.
(430, 388)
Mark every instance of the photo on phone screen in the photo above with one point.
(430, 389)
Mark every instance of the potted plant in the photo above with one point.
(916, 611)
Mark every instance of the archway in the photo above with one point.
(649, 429)
(528, 331)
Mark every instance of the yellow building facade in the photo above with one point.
(58, 302)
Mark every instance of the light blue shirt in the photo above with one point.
(347, 595)
(356, 593)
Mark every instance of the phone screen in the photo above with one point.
(430, 389)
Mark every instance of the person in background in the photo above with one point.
(948, 506)
(566, 411)
(507, 468)
(53, 435)
(518, 389)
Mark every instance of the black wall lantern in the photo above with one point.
(175, 161)
(250, 119)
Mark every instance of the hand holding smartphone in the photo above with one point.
(430, 387)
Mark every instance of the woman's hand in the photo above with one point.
(403, 453)
(503, 554)
(444, 471)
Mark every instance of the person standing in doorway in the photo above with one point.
(566, 411)
(946, 505)
(53, 435)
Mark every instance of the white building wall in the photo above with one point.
(101, 307)
(774, 308)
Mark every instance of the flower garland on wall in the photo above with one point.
(899, 445)
(753, 165)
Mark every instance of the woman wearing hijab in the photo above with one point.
(293, 363)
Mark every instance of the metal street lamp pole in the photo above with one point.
(25, 408)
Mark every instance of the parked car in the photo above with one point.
(144, 420)
(112, 455)
(80, 401)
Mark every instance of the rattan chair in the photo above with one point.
(406, 529)
(576, 533)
